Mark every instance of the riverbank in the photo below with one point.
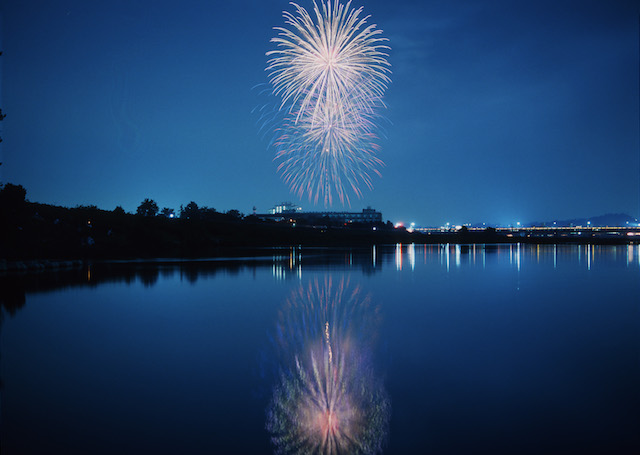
(41, 237)
(40, 265)
(75, 256)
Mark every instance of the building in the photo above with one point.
(285, 208)
(367, 216)
(294, 213)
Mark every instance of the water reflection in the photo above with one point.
(12, 298)
(399, 256)
(328, 398)
(454, 256)
(289, 265)
(411, 252)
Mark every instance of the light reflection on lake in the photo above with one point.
(328, 397)
(441, 349)
(454, 255)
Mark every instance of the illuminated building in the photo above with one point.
(285, 208)
(294, 213)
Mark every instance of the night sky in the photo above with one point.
(498, 111)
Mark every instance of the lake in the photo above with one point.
(443, 349)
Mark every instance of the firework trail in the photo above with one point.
(328, 399)
(330, 72)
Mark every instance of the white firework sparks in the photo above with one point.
(330, 71)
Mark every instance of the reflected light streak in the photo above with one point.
(399, 256)
(411, 251)
(328, 399)
(284, 266)
(447, 255)
(326, 333)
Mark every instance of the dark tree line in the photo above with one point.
(149, 208)
(30, 230)
(2, 116)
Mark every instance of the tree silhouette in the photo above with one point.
(11, 194)
(190, 212)
(147, 208)
(12, 200)
(208, 213)
(13, 206)
(2, 116)
(167, 212)
(233, 213)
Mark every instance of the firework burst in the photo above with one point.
(328, 399)
(330, 71)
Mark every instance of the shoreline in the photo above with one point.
(39, 265)
(256, 253)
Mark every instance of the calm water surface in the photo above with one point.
(400, 349)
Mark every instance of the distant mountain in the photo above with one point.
(610, 219)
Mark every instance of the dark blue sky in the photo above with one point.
(498, 111)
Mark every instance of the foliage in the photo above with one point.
(233, 213)
(147, 208)
(190, 212)
(12, 195)
(2, 116)
(167, 212)
(208, 213)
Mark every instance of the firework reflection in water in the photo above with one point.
(328, 399)
(330, 71)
